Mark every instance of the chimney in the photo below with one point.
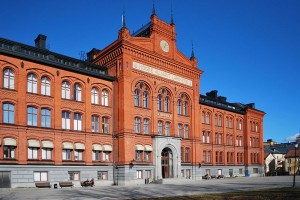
(40, 41)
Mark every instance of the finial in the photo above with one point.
(193, 55)
(172, 18)
(123, 18)
(153, 9)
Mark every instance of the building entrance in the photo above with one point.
(167, 163)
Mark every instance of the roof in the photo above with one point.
(44, 56)
(291, 153)
(282, 148)
(144, 31)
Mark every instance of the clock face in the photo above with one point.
(164, 46)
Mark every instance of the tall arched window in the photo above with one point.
(160, 127)
(164, 100)
(65, 90)
(186, 131)
(167, 128)
(31, 83)
(179, 130)
(77, 121)
(31, 116)
(9, 79)
(141, 95)
(179, 109)
(137, 125)
(104, 98)
(146, 126)
(145, 99)
(208, 118)
(95, 96)
(185, 108)
(46, 117)
(183, 104)
(136, 97)
(45, 86)
(95, 123)
(77, 92)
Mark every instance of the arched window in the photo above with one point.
(65, 120)
(31, 116)
(31, 83)
(77, 122)
(105, 125)
(160, 127)
(159, 103)
(77, 92)
(167, 128)
(45, 86)
(9, 79)
(8, 113)
(65, 90)
(137, 125)
(179, 130)
(203, 117)
(208, 118)
(95, 96)
(164, 100)
(104, 98)
(136, 97)
(185, 108)
(46, 117)
(183, 105)
(145, 99)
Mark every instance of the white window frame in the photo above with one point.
(9, 79)
(45, 86)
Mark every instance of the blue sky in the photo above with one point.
(249, 50)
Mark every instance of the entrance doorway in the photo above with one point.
(167, 163)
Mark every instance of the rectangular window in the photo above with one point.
(179, 130)
(167, 129)
(148, 174)
(66, 154)
(32, 153)
(105, 125)
(31, 116)
(187, 155)
(40, 176)
(77, 122)
(46, 118)
(46, 154)
(96, 155)
(102, 175)
(209, 157)
(137, 125)
(255, 170)
(160, 127)
(9, 152)
(188, 173)
(66, 120)
(95, 124)
(146, 126)
(204, 157)
(241, 171)
(147, 155)
(78, 154)
(8, 113)
(74, 176)
(138, 155)
(106, 155)
(139, 174)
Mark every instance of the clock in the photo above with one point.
(164, 46)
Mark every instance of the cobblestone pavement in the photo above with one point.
(150, 190)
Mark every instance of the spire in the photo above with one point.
(153, 9)
(192, 55)
(123, 18)
(172, 18)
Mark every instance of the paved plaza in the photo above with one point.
(151, 190)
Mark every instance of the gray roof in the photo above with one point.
(282, 148)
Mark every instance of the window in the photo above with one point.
(46, 118)
(238, 124)
(148, 174)
(78, 154)
(65, 120)
(188, 173)
(105, 125)
(9, 79)
(46, 153)
(203, 117)
(209, 157)
(187, 155)
(106, 155)
(147, 155)
(95, 96)
(95, 124)
(181, 153)
(102, 175)
(204, 158)
(186, 131)
(179, 107)
(104, 98)
(65, 90)
(255, 170)
(32, 153)
(40, 176)
(77, 122)
(8, 152)
(96, 155)
(146, 126)
(218, 120)
(145, 99)
(159, 103)
(77, 92)
(182, 173)
(66, 154)
(74, 176)
(138, 155)
(179, 130)
(137, 125)
(167, 104)
(241, 171)
(31, 83)
(8, 113)
(139, 174)
(167, 128)
(160, 127)
(45, 86)
(185, 108)
(31, 116)
(207, 119)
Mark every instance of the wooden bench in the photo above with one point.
(66, 184)
(44, 184)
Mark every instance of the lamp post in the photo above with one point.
(296, 145)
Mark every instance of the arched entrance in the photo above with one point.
(167, 163)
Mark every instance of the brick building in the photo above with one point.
(132, 111)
